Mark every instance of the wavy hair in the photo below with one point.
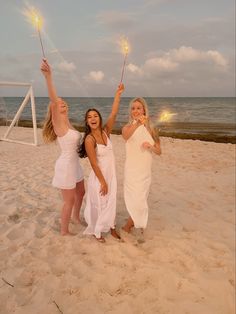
(49, 135)
(81, 148)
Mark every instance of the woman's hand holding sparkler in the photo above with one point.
(45, 68)
(142, 119)
(120, 89)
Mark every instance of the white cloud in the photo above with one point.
(217, 58)
(188, 54)
(134, 69)
(183, 58)
(96, 76)
(65, 66)
(161, 64)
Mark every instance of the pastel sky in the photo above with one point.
(178, 47)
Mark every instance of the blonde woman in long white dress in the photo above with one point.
(100, 209)
(141, 143)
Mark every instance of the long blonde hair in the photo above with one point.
(142, 101)
(48, 131)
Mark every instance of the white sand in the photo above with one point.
(186, 264)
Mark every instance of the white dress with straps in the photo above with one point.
(100, 211)
(137, 176)
(68, 170)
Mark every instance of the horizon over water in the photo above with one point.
(207, 118)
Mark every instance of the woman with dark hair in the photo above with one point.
(100, 209)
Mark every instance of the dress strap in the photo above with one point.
(106, 137)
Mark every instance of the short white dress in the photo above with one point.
(100, 211)
(137, 176)
(68, 170)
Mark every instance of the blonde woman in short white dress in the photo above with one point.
(141, 142)
(68, 175)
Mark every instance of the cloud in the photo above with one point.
(134, 69)
(176, 59)
(96, 76)
(188, 54)
(65, 66)
(217, 58)
(161, 64)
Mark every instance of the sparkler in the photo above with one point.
(125, 50)
(37, 21)
(165, 116)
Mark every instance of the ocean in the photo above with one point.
(204, 118)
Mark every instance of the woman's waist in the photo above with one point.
(69, 155)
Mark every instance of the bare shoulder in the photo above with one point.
(125, 126)
(89, 139)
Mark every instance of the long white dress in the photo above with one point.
(137, 176)
(68, 170)
(100, 211)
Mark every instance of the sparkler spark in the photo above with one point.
(125, 48)
(35, 19)
(166, 116)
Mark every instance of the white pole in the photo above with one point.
(33, 115)
(17, 114)
(14, 84)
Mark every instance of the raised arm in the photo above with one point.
(115, 108)
(47, 72)
(90, 150)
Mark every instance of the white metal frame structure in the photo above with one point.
(29, 95)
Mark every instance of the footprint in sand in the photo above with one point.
(15, 234)
(14, 218)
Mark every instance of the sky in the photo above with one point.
(178, 48)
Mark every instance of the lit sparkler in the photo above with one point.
(166, 116)
(125, 50)
(37, 21)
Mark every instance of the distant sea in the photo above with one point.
(204, 118)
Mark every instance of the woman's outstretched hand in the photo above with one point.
(45, 68)
(120, 89)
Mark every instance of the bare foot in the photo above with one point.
(68, 233)
(128, 226)
(140, 235)
(115, 234)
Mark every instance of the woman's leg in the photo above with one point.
(129, 225)
(69, 200)
(79, 194)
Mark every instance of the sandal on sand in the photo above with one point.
(101, 239)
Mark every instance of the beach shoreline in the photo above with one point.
(166, 130)
(185, 265)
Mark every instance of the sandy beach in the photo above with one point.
(185, 266)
